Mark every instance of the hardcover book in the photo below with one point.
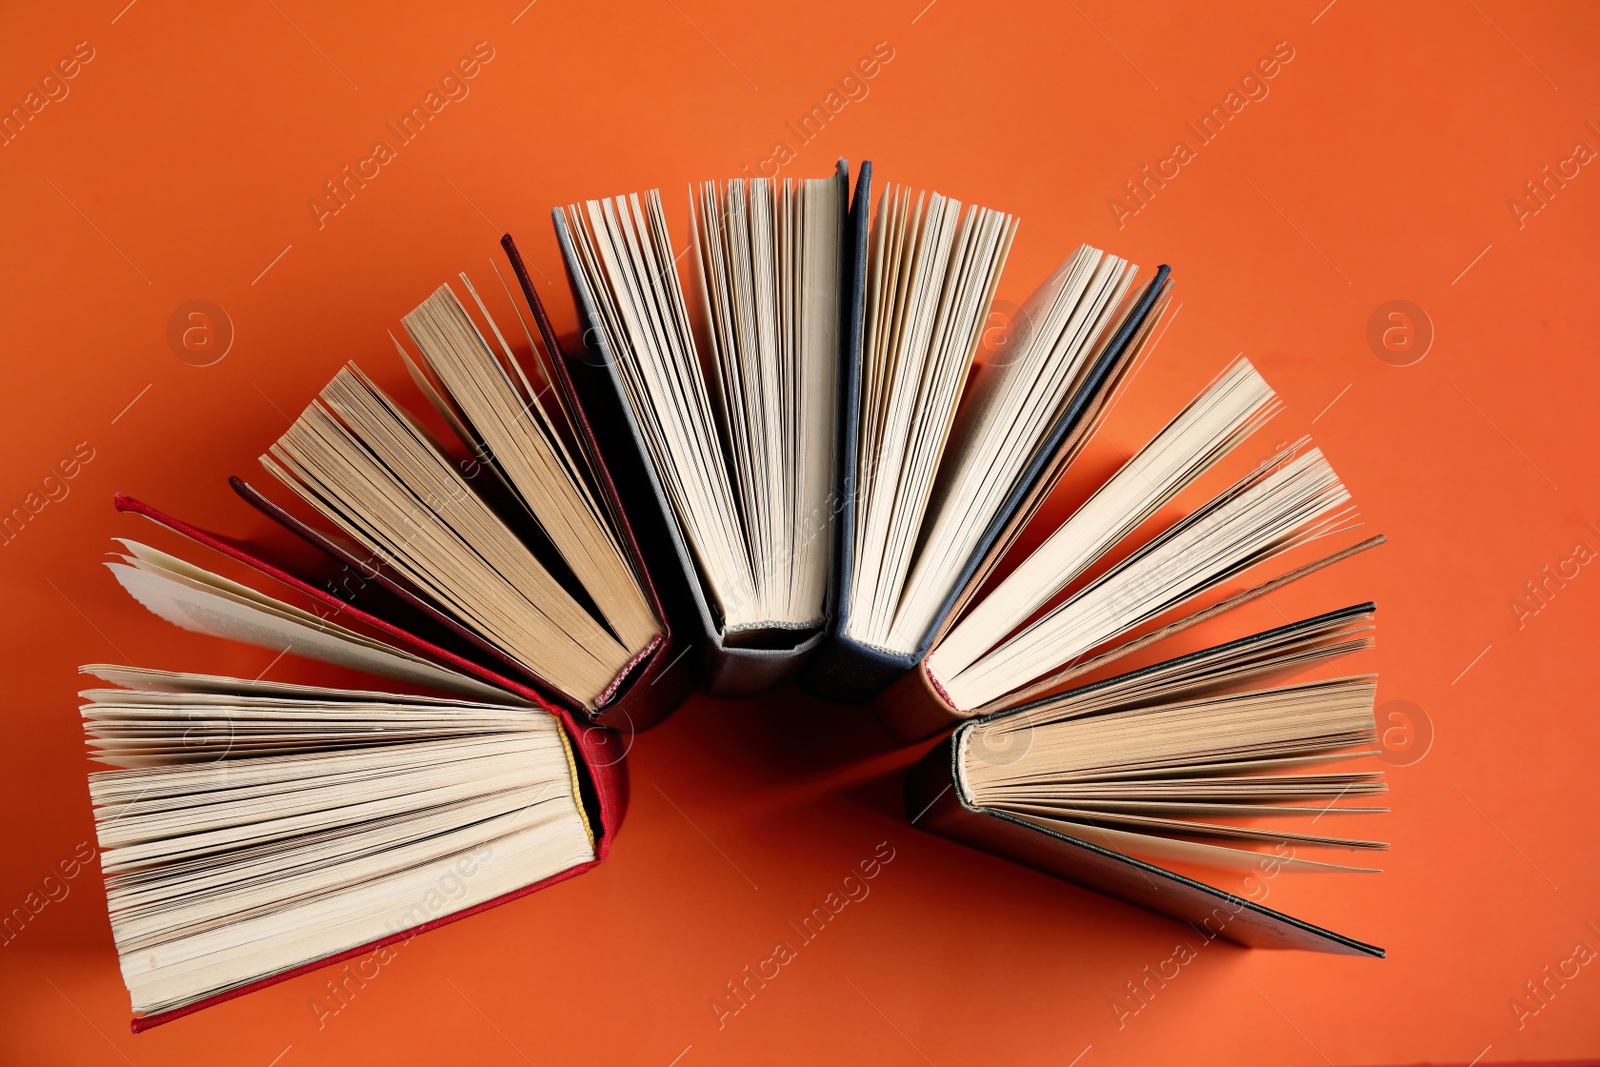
(1191, 761)
(1194, 761)
(1109, 580)
(507, 552)
(251, 830)
(943, 454)
(725, 420)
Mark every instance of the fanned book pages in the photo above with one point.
(732, 407)
(1196, 761)
(545, 583)
(206, 602)
(493, 549)
(1022, 637)
(933, 276)
(948, 445)
(250, 828)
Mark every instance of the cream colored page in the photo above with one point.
(211, 613)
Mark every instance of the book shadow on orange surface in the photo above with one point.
(791, 736)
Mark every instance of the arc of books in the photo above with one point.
(805, 453)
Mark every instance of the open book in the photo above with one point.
(731, 410)
(517, 577)
(944, 449)
(1195, 761)
(251, 828)
(1022, 638)
(496, 549)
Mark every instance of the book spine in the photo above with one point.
(728, 671)
(670, 672)
(850, 673)
(913, 710)
(852, 309)
(651, 694)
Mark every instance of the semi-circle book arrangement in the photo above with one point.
(787, 452)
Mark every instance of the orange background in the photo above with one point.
(1379, 167)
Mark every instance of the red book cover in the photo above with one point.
(597, 750)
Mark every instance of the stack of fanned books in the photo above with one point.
(787, 456)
